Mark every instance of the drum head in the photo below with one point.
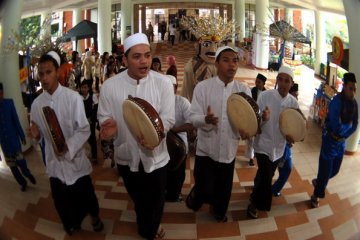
(242, 115)
(293, 123)
(139, 123)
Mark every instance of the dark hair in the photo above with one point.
(155, 60)
(1, 86)
(48, 58)
(73, 56)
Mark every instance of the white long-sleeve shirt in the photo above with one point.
(157, 90)
(271, 142)
(219, 142)
(69, 108)
(182, 116)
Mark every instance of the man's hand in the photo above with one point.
(210, 118)
(108, 129)
(289, 140)
(266, 114)
(244, 135)
(33, 131)
(142, 142)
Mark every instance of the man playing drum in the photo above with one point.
(270, 144)
(142, 167)
(340, 123)
(69, 171)
(217, 140)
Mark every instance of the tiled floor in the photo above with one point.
(31, 215)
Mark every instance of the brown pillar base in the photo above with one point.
(349, 153)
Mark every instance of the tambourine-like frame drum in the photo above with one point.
(244, 113)
(54, 129)
(143, 121)
(177, 150)
(293, 123)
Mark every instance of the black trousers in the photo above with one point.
(147, 190)
(213, 183)
(175, 181)
(74, 202)
(261, 196)
(92, 140)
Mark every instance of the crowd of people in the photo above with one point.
(87, 95)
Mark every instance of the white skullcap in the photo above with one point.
(172, 78)
(55, 56)
(220, 49)
(286, 70)
(135, 39)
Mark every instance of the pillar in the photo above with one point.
(9, 62)
(240, 18)
(104, 26)
(320, 38)
(76, 19)
(261, 50)
(126, 28)
(352, 10)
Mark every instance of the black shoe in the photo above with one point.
(170, 198)
(220, 219)
(277, 194)
(314, 182)
(32, 179)
(190, 201)
(252, 211)
(314, 202)
(251, 162)
(23, 187)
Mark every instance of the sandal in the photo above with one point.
(160, 233)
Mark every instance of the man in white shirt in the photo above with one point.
(143, 168)
(217, 140)
(270, 144)
(69, 172)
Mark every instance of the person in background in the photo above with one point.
(176, 177)
(285, 164)
(156, 65)
(217, 140)
(87, 68)
(76, 62)
(64, 71)
(97, 71)
(341, 121)
(142, 167)
(11, 138)
(269, 146)
(171, 62)
(255, 91)
(91, 105)
(69, 171)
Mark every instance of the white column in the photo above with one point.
(240, 18)
(86, 17)
(320, 53)
(126, 13)
(262, 42)
(289, 16)
(352, 10)
(9, 62)
(75, 20)
(104, 26)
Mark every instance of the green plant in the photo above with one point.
(308, 61)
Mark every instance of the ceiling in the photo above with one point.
(33, 7)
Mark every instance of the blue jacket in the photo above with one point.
(10, 129)
(333, 122)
